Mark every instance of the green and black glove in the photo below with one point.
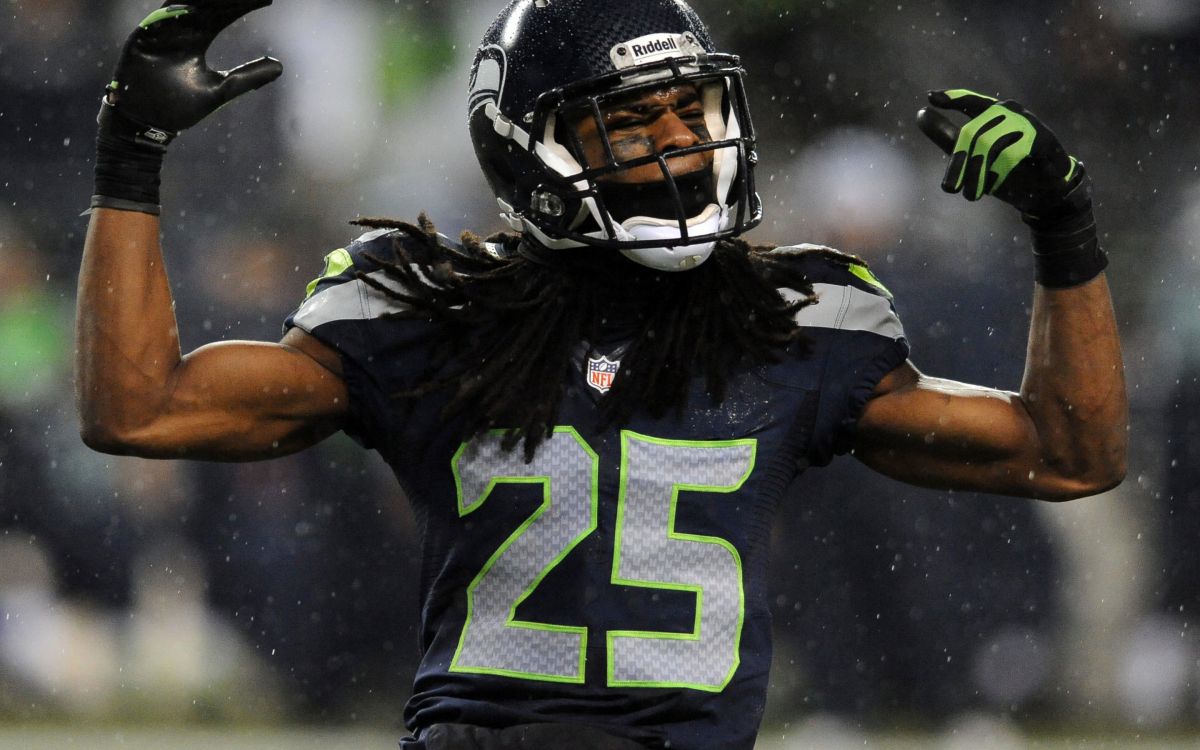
(1006, 152)
(162, 86)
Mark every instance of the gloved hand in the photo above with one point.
(1005, 151)
(163, 85)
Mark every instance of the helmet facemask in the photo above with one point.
(661, 219)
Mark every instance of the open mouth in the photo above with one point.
(656, 199)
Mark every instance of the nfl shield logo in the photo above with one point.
(601, 373)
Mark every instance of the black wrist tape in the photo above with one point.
(129, 159)
(1066, 250)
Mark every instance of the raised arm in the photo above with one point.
(1065, 434)
(136, 394)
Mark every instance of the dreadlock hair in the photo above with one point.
(515, 322)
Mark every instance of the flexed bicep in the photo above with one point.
(949, 435)
(233, 401)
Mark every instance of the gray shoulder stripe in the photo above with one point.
(847, 308)
(373, 235)
(801, 248)
(352, 300)
(839, 307)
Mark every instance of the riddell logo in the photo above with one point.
(658, 45)
(652, 48)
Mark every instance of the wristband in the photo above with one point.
(129, 159)
(1066, 250)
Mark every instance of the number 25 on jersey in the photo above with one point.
(649, 552)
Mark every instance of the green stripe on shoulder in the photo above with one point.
(336, 264)
(865, 274)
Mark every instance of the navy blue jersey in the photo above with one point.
(619, 579)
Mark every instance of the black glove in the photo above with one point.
(1005, 151)
(163, 85)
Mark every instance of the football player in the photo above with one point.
(595, 414)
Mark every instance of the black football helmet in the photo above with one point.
(545, 64)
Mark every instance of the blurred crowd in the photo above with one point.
(288, 588)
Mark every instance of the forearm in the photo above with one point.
(126, 342)
(1064, 434)
(1074, 385)
(128, 363)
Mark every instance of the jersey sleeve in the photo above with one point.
(855, 328)
(345, 312)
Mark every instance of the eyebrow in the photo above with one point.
(687, 96)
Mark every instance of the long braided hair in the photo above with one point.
(515, 321)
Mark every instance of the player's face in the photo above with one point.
(651, 122)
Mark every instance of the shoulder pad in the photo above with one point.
(825, 264)
(803, 247)
(849, 296)
(372, 236)
(355, 283)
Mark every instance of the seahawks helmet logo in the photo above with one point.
(487, 78)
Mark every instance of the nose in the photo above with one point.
(671, 133)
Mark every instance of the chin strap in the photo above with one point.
(671, 259)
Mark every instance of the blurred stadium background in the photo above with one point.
(274, 605)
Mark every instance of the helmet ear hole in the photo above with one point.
(500, 176)
(500, 167)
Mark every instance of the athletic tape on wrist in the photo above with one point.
(103, 201)
(1066, 251)
(129, 157)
